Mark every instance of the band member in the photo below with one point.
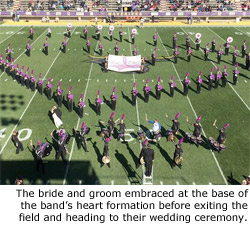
(113, 99)
(135, 51)
(64, 45)
(235, 55)
(148, 157)
(2, 62)
(224, 76)
(100, 47)
(69, 31)
(120, 34)
(197, 131)
(246, 181)
(158, 88)
(146, 90)
(31, 32)
(198, 42)
(243, 49)
(57, 117)
(32, 81)
(177, 160)
(117, 48)
(17, 143)
(176, 53)
(143, 61)
(188, 42)
(98, 103)
(82, 142)
(59, 93)
(28, 48)
(110, 35)
(13, 69)
(227, 46)
(98, 34)
(18, 73)
(156, 128)
(62, 148)
(85, 32)
(121, 132)
(141, 157)
(222, 133)
(133, 38)
(105, 65)
(213, 44)
(27, 78)
(247, 60)
(210, 79)
(46, 47)
(155, 37)
(219, 54)
(176, 124)
(217, 78)
(88, 45)
(189, 54)
(199, 83)
(206, 51)
(154, 56)
(8, 52)
(49, 32)
(134, 93)
(70, 97)
(235, 74)
(186, 82)
(105, 155)
(174, 40)
(81, 105)
(48, 88)
(39, 84)
(22, 77)
(172, 86)
(39, 155)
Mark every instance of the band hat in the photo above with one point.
(112, 115)
(83, 125)
(177, 115)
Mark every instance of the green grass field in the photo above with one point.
(23, 109)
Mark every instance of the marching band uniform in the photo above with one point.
(27, 78)
(146, 90)
(49, 32)
(133, 38)
(106, 151)
(197, 42)
(174, 40)
(98, 102)
(28, 48)
(111, 124)
(46, 47)
(17, 143)
(134, 93)
(38, 153)
(210, 79)
(40, 84)
(227, 46)
(31, 33)
(247, 60)
(2, 61)
(135, 51)
(82, 142)
(158, 89)
(113, 99)
(155, 37)
(59, 92)
(244, 48)
(18, 72)
(154, 56)
(235, 74)
(117, 48)
(98, 34)
(222, 135)
(219, 54)
(111, 35)
(235, 54)
(177, 153)
(88, 45)
(206, 51)
(120, 34)
(197, 128)
(70, 97)
(217, 78)
(188, 43)
(224, 77)
(69, 32)
(213, 44)
(186, 82)
(122, 129)
(48, 88)
(176, 124)
(61, 151)
(176, 53)
(85, 31)
(100, 48)
(172, 86)
(199, 82)
(189, 52)
(32, 81)
(64, 45)
(22, 76)
(8, 51)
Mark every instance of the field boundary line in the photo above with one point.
(216, 67)
(78, 121)
(216, 161)
(242, 31)
(24, 50)
(11, 35)
(6, 142)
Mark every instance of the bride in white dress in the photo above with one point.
(56, 114)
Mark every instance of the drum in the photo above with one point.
(140, 133)
(193, 138)
(47, 150)
(178, 160)
(222, 147)
(189, 135)
(199, 140)
(105, 131)
(157, 135)
(120, 134)
(142, 161)
(169, 132)
(105, 159)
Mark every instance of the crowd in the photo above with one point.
(245, 5)
(145, 5)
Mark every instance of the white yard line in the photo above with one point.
(217, 163)
(11, 35)
(242, 31)
(6, 142)
(78, 121)
(25, 50)
(216, 67)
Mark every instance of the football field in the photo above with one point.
(28, 112)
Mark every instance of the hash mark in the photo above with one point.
(69, 80)
(112, 182)
(177, 182)
(161, 182)
(78, 80)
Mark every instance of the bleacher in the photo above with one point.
(6, 5)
